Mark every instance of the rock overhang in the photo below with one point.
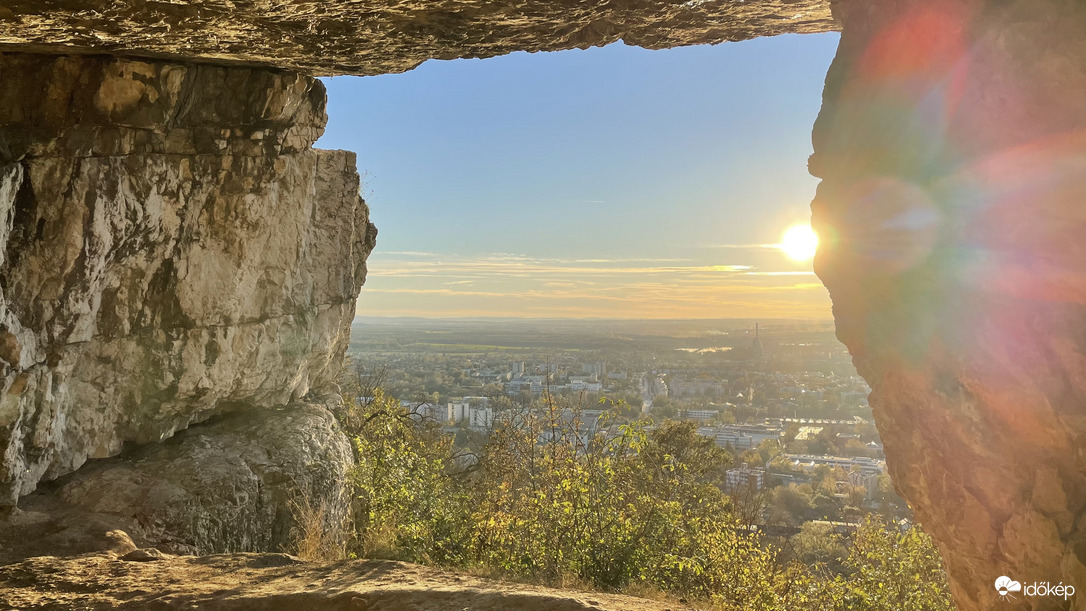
(369, 37)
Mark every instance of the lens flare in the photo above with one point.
(799, 243)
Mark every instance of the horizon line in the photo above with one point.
(587, 318)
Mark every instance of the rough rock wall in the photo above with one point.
(231, 485)
(379, 36)
(952, 148)
(235, 484)
(170, 248)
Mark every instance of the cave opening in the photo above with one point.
(548, 218)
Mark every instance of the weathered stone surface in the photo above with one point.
(64, 106)
(377, 36)
(952, 148)
(229, 485)
(148, 282)
(49, 527)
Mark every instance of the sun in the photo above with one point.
(799, 243)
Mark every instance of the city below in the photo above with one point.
(781, 396)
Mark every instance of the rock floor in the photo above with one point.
(235, 582)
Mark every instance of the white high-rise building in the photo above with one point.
(458, 411)
(480, 417)
(744, 476)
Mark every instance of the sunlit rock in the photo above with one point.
(378, 37)
(952, 150)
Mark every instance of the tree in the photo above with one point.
(546, 498)
(409, 505)
(820, 547)
(664, 410)
(887, 499)
(895, 570)
(768, 450)
(790, 433)
(791, 504)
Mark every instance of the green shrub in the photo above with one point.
(639, 508)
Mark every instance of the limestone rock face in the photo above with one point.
(952, 148)
(230, 485)
(378, 36)
(171, 248)
(89, 106)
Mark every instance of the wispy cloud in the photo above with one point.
(743, 246)
(800, 273)
(504, 284)
(407, 253)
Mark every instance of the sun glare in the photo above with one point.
(799, 243)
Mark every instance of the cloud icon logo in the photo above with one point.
(1005, 585)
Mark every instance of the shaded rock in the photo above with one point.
(144, 555)
(170, 249)
(225, 485)
(377, 37)
(52, 528)
(98, 106)
(952, 151)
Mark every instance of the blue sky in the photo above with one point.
(610, 182)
